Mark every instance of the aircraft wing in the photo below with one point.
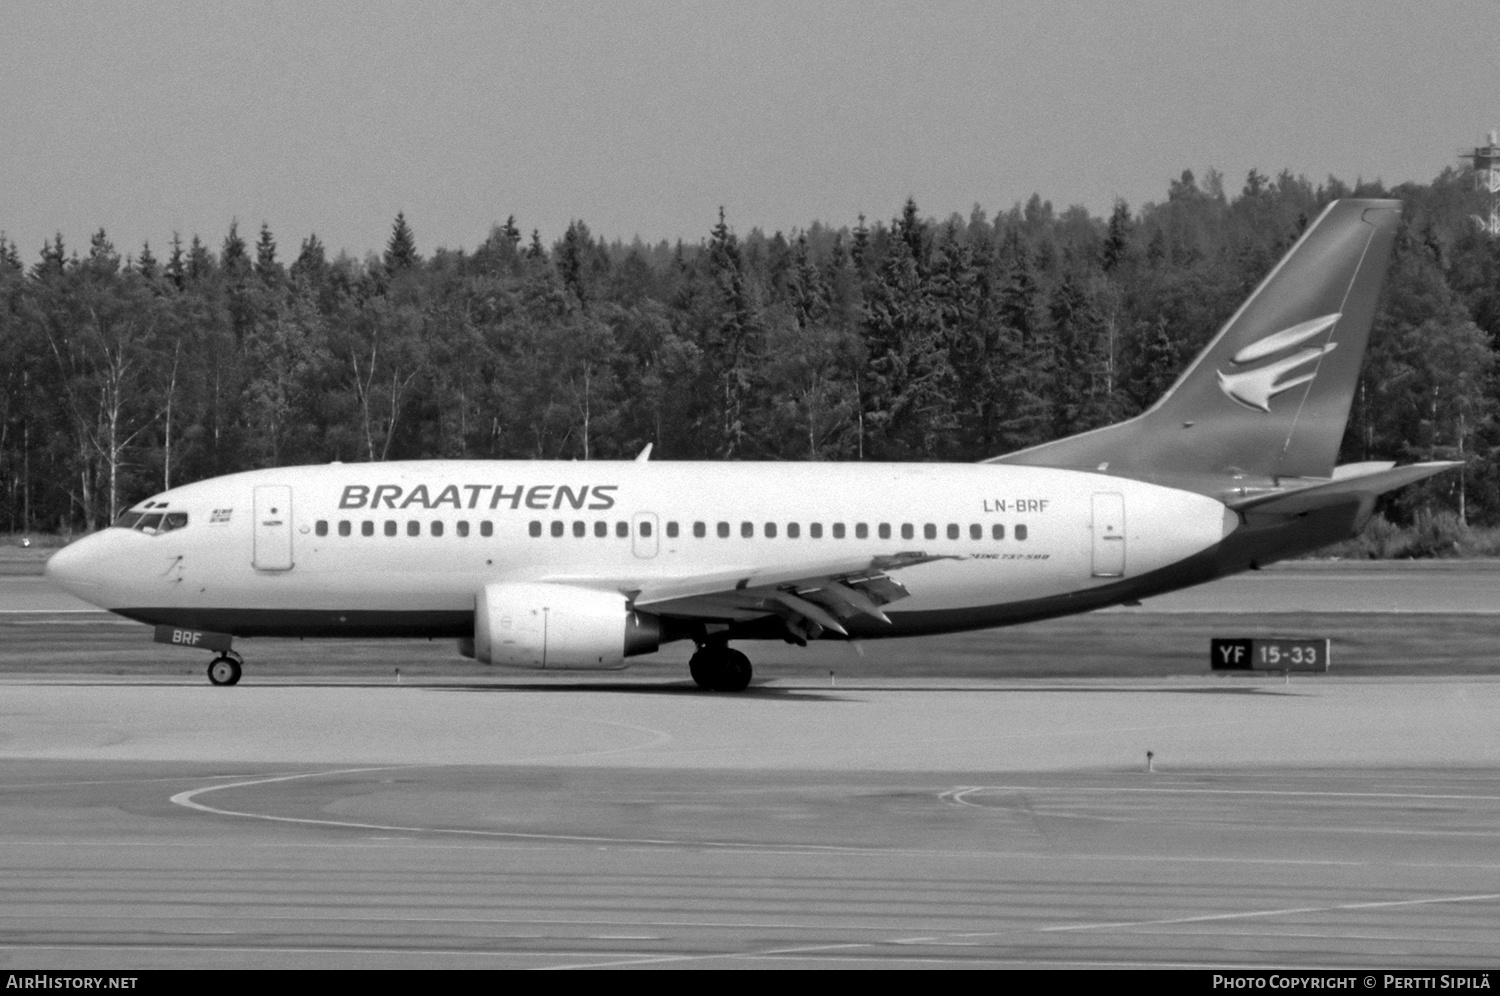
(1367, 482)
(809, 598)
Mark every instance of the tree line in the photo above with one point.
(912, 339)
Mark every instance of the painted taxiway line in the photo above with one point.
(1256, 914)
(976, 939)
(958, 796)
(188, 799)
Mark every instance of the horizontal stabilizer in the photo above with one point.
(1341, 488)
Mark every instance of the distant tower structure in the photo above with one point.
(1486, 162)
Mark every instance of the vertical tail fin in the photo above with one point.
(1270, 395)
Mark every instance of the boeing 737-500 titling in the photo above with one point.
(584, 565)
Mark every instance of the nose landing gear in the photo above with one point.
(716, 668)
(225, 668)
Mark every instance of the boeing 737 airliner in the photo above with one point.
(584, 565)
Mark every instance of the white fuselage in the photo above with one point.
(419, 539)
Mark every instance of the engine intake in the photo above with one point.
(539, 625)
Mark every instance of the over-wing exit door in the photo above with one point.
(273, 528)
(643, 528)
(1109, 535)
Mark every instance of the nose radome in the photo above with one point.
(71, 568)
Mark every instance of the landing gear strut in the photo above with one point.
(716, 668)
(225, 669)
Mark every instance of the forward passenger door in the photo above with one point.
(273, 528)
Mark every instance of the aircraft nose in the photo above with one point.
(74, 569)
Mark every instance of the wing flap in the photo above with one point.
(810, 598)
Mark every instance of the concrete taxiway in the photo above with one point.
(330, 812)
(297, 824)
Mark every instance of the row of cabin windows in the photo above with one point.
(392, 528)
(769, 530)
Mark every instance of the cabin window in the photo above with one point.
(622, 530)
(953, 530)
(700, 529)
(367, 528)
(770, 530)
(815, 530)
(929, 531)
(793, 530)
(486, 528)
(580, 528)
(747, 530)
(671, 530)
(413, 527)
(601, 529)
(557, 527)
(723, 530)
(998, 531)
(321, 528)
(645, 527)
(862, 530)
(1020, 532)
(436, 528)
(344, 529)
(535, 528)
(463, 527)
(390, 527)
(976, 531)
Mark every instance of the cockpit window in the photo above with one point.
(152, 523)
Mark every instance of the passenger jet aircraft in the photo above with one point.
(545, 564)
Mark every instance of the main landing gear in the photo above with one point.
(225, 668)
(716, 668)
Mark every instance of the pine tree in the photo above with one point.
(401, 250)
(103, 259)
(311, 261)
(510, 232)
(175, 271)
(146, 263)
(571, 259)
(10, 257)
(731, 341)
(200, 264)
(234, 258)
(1117, 241)
(266, 267)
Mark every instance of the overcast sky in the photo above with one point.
(642, 118)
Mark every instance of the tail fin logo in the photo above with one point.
(1256, 387)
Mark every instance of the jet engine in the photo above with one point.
(542, 625)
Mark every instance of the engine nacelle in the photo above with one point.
(541, 625)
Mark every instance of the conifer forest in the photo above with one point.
(128, 369)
